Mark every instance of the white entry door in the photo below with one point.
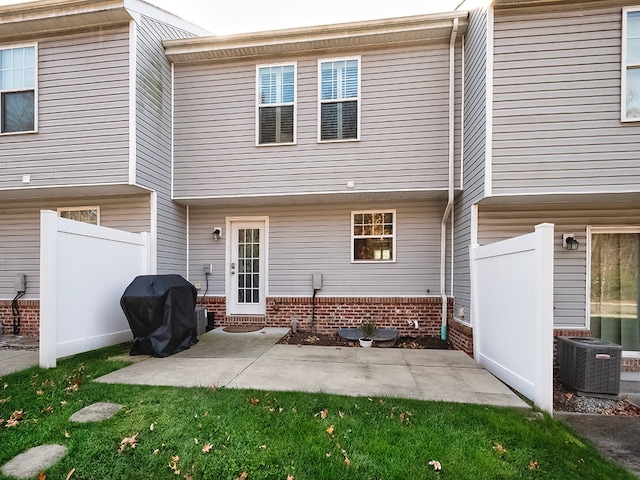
(247, 268)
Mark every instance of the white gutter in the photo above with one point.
(449, 207)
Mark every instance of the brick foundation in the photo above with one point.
(29, 316)
(461, 336)
(332, 313)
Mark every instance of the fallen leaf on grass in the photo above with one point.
(69, 474)
(404, 417)
(131, 441)
(534, 465)
(206, 448)
(323, 413)
(156, 451)
(341, 414)
(437, 466)
(242, 476)
(254, 401)
(14, 420)
(152, 426)
(42, 476)
(290, 477)
(173, 465)
(213, 388)
(66, 435)
(63, 402)
(48, 409)
(39, 392)
(346, 459)
(499, 448)
(330, 430)
(5, 400)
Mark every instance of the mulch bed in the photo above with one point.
(326, 340)
(564, 400)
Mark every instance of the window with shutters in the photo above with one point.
(18, 89)
(339, 99)
(276, 104)
(631, 64)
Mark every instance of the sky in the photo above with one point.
(241, 16)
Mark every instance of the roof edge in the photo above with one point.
(400, 30)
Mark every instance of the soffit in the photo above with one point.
(44, 18)
(308, 40)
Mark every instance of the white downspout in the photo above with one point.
(447, 210)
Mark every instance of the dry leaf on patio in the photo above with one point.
(330, 430)
(71, 472)
(437, 466)
(206, 448)
(131, 441)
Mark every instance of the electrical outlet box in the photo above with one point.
(20, 283)
(317, 280)
(208, 268)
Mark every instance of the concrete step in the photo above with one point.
(630, 382)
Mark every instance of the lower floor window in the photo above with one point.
(81, 214)
(373, 236)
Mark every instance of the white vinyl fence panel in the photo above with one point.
(84, 269)
(512, 298)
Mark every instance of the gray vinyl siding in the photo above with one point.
(404, 130)
(83, 127)
(153, 140)
(20, 233)
(570, 267)
(316, 238)
(556, 115)
(474, 153)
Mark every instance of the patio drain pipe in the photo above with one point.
(450, 197)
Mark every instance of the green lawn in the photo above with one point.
(200, 433)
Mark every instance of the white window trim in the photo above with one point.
(295, 104)
(359, 99)
(625, 66)
(35, 86)
(393, 236)
(76, 209)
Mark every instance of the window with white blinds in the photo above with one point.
(18, 89)
(276, 101)
(339, 99)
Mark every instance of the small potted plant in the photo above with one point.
(368, 332)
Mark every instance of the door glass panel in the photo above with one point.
(249, 265)
(614, 288)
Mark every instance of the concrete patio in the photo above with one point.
(253, 360)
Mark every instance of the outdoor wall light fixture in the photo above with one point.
(569, 241)
(217, 233)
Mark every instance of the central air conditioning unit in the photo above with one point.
(201, 320)
(589, 365)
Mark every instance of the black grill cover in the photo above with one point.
(161, 313)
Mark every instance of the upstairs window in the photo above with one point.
(339, 87)
(631, 64)
(81, 214)
(276, 104)
(17, 89)
(373, 236)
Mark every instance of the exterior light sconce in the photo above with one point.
(217, 233)
(569, 241)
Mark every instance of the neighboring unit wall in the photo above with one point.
(474, 155)
(20, 233)
(570, 268)
(153, 140)
(316, 238)
(83, 128)
(556, 114)
(404, 130)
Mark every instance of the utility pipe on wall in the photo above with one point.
(450, 198)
